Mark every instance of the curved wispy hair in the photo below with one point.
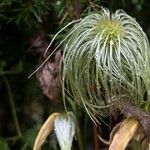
(106, 57)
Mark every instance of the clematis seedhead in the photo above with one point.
(106, 59)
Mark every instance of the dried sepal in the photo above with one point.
(126, 132)
(45, 130)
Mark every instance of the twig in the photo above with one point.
(78, 9)
(24, 146)
(92, 5)
(64, 17)
(14, 138)
(114, 130)
(103, 140)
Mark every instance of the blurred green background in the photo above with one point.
(26, 27)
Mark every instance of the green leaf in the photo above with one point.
(3, 144)
(30, 135)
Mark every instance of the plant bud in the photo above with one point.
(64, 127)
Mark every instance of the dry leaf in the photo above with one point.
(125, 134)
(45, 130)
(49, 78)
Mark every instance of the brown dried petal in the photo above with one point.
(129, 110)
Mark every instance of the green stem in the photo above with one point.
(24, 146)
(79, 136)
(78, 131)
(12, 106)
(15, 138)
(85, 130)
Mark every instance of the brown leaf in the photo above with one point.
(49, 78)
(125, 134)
(45, 130)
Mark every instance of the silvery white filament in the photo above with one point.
(123, 62)
(64, 127)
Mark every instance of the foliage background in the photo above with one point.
(24, 28)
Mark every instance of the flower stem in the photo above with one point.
(12, 106)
